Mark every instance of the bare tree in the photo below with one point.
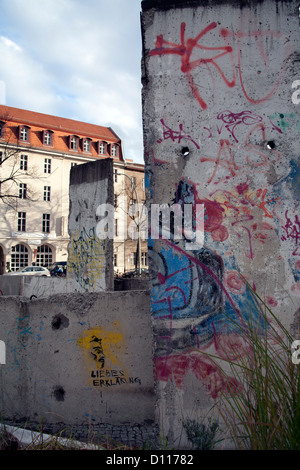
(14, 173)
(135, 210)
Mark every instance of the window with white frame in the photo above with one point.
(47, 165)
(47, 193)
(24, 134)
(21, 221)
(144, 258)
(74, 143)
(46, 223)
(22, 190)
(86, 145)
(114, 150)
(102, 148)
(44, 256)
(19, 257)
(24, 162)
(48, 138)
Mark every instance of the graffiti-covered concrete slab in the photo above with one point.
(221, 129)
(81, 359)
(90, 251)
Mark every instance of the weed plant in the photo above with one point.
(263, 413)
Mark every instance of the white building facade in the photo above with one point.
(37, 152)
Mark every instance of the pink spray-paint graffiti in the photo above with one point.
(210, 57)
(190, 294)
(292, 232)
(176, 136)
(195, 292)
(232, 120)
(189, 301)
(251, 157)
(240, 210)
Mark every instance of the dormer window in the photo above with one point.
(86, 145)
(24, 133)
(2, 124)
(102, 148)
(73, 142)
(47, 137)
(114, 150)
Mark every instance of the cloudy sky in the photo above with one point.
(75, 59)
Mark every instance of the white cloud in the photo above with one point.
(76, 59)
(10, 44)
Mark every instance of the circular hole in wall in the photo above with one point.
(59, 393)
(271, 144)
(59, 321)
(185, 151)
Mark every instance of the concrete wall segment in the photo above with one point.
(217, 82)
(77, 358)
(90, 257)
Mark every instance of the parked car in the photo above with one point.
(30, 271)
(59, 268)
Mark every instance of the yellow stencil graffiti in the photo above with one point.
(103, 349)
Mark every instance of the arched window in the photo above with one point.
(19, 257)
(44, 256)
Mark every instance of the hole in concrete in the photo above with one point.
(271, 144)
(59, 321)
(185, 151)
(59, 393)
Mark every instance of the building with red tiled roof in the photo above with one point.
(37, 151)
(30, 129)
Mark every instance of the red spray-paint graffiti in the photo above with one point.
(175, 136)
(292, 232)
(185, 50)
(252, 158)
(188, 48)
(232, 120)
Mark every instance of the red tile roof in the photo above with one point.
(62, 128)
(47, 121)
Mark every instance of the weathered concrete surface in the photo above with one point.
(220, 129)
(78, 359)
(90, 253)
(11, 285)
(38, 287)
